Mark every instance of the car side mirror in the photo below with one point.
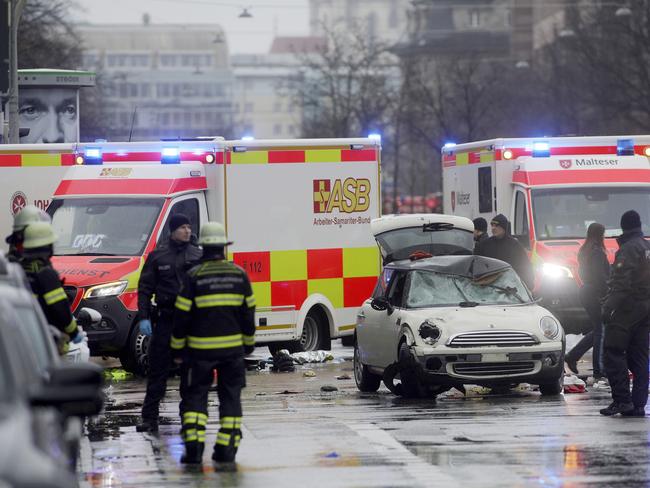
(381, 303)
(88, 318)
(76, 390)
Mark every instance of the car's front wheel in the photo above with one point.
(552, 388)
(411, 386)
(365, 380)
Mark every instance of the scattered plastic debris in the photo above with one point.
(288, 392)
(521, 387)
(309, 373)
(312, 357)
(573, 384)
(344, 377)
(332, 454)
(328, 388)
(283, 362)
(116, 374)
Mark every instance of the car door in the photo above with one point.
(389, 323)
(369, 320)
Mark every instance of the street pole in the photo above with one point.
(16, 9)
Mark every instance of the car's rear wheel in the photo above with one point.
(552, 388)
(411, 386)
(365, 380)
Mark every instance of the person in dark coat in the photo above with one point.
(625, 318)
(593, 268)
(480, 231)
(162, 275)
(506, 248)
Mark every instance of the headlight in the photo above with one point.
(550, 327)
(106, 290)
(429, 332)
(551, 270)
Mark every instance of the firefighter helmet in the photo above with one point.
(28, 215)
(213, 234)
(39, 234)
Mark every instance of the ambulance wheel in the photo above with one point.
(315, 333)
(134, 355)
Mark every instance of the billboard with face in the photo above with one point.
(50, 113)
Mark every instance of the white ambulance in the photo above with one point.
(551, 189)
(29, 174)
(298, 211)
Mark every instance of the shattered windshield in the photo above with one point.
(431, 289)
(103, 226)
(435, 239)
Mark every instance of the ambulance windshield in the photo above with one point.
(103, 226)
(565, 213)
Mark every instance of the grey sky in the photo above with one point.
(244, 35)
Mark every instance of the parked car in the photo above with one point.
(437, 321)
(40, 396)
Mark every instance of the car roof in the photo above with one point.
(390, 222)
(473, 267)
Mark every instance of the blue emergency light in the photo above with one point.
(375, 137)
(625, 147)
(170, 155)
(541, 149)
(92, 155)
(449, 145)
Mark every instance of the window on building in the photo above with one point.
(168, 60)
(187, 118)
(133, 89)
(176, 90)
(474, 17)
(163, 90)
(176, 118)
(145, 90)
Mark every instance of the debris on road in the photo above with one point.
(312, 357)
(328, 388)
(309, 373)
(573, 384)
(283, 362)
(344, 377)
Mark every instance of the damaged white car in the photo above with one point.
(445, 321)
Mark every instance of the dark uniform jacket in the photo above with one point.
(593, 268)
(480, 240)
(48, 289)
(511, 251)
(628, 294)
(162, 275)
(215, 311)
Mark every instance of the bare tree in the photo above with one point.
(46, 36)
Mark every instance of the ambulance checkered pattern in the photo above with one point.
(36, 158)
(286, 278)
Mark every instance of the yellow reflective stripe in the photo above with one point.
(250, 301)
(190, 417)
(177, 343)
(71, 327)
(219, 342)
(219, 300)
(248, 340)
(54, 296)
(200, 436)
(230, 422)
(237, 440)
(223, 439)
(202, 420)
(190, 435)
(183, 304)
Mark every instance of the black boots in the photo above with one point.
(625, 409)
(193, 453)
(147, 425)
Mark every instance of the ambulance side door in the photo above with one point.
(193, 206)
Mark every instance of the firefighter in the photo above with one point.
(27, 215)
(213, 329)
(44, 280)
(162, 276)
(625, 319)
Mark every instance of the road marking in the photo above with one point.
(384, 444)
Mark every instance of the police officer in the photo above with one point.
(27, 215)
(213, 329)
(44, 280)
(162, 276)
(625, 316)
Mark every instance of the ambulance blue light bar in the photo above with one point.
(541, 149)
(625, 147)
(92, 155)
(375, 137)
(170, 155)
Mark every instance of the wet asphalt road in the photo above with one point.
(297, 435)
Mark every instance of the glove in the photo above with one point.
(145, 327)
(248, 350)
(78, 338)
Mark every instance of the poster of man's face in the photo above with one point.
(50, 114)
